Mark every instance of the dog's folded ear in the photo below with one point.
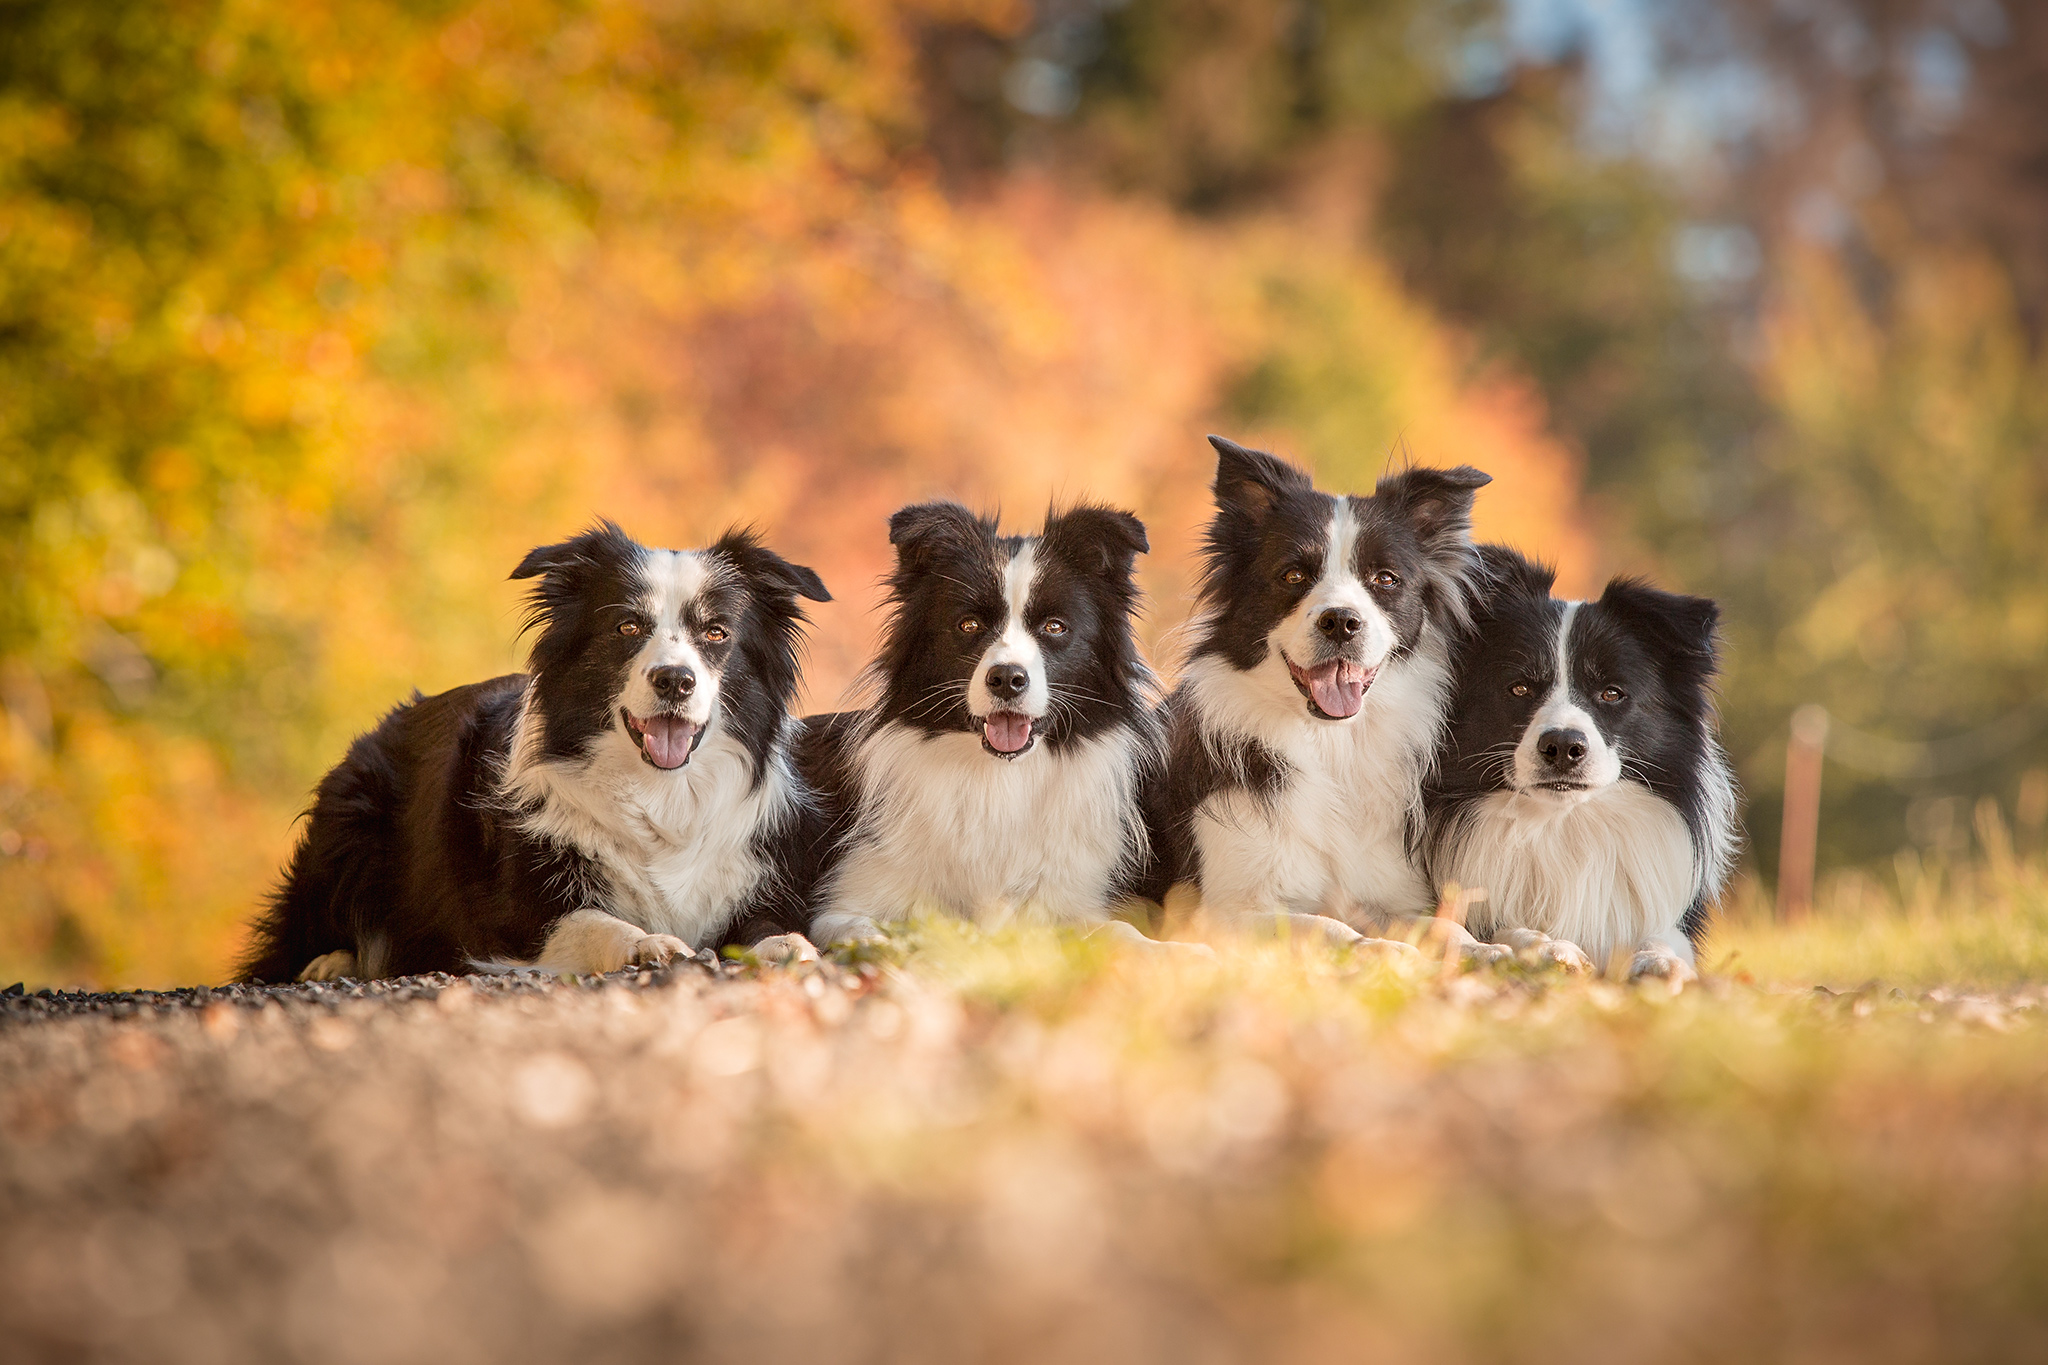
(1105, 540)
(1251, 481)
(764, 568)
(578, 554)
(1437, 502)
(928, 532)
(1683, 627)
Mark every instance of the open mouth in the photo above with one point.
(1335, 689)
(1007, 734)
(665, 741)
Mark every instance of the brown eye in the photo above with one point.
(1386, 578)
(629, 627)
(1612, 694)
(1520, 689)
(1054, 626)
(1294, 578)
(717, 634)
(970, 625)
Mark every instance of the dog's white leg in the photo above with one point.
(329, 966)
(584, 942)
(1312, 929)
(1435, 935)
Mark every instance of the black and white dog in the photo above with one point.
(632, 793)
(1581, 785)
(996, 775)
(1314, 694)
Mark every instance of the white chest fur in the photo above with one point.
(944, 826)
(1334, 840)
(677, 847)
(1611, 873)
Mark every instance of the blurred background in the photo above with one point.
(315, 316)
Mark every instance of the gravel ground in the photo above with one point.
(1028, 1153)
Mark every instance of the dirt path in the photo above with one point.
(1024, 1158)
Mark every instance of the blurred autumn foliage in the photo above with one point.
(314, 317)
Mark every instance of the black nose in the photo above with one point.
(1008, 681)
(1340, 623)
(672, 682)
(1562, 749)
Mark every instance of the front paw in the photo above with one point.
(658, 950)
(330, 966)
(1538, 949)
(1661, 964)
(784, 950)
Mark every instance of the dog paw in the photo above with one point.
(1661, 964)
(657, 950)
(1538, 949)
(330, 966)
(1390, 948)
(1479, 954)
(785, 950)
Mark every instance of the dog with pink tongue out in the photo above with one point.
(1313, 697)
(996, 773)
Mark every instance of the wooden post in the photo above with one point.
(1801, 830)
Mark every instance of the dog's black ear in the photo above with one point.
(1251, 481)
(1683, 627)
(577, 554)
(928, 532)
(765, 568)
(1437, 502)
(1104, 540)
(1503, 570)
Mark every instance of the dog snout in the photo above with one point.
(1339, 624)
(1562, 750)
(672, 682)
(1007, 682)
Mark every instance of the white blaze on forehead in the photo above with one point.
(1563, 711)
(1016, 644)
(671, 580)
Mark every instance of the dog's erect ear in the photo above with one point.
(1251, 481)
(764, 568)
(927, 532)
(1682, 626)
(1503, 570)
(1101, 540)
(1437, 502)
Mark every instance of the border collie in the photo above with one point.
(997, 774)
(631, 794)
(1581, 785)
(1314, 694)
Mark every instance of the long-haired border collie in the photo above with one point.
(632, 793)
(997, 774)
(1581, 785)
(1313, 698)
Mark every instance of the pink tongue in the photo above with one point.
(1007, 731)
(1337, 687)
(668, 740)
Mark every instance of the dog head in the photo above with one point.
(1021, 639)
(1560, 700)
(1334, 587)
(649, 649)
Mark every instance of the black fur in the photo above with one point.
(411, 842)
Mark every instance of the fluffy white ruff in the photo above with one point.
(944, 827)
(676, 847)
(1613, 871)
(1334, 840)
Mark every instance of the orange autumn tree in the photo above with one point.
(316, 316)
